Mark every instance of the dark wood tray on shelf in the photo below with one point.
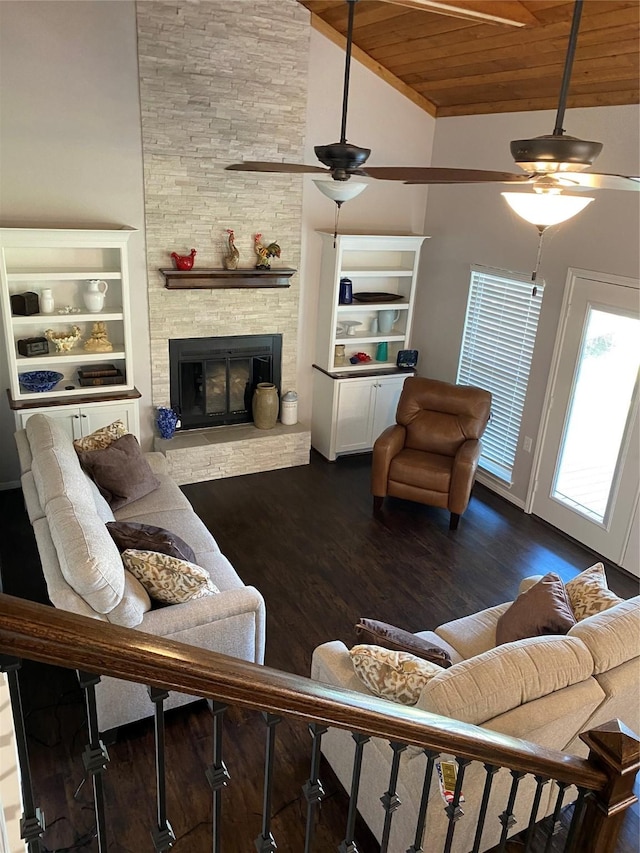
(366, 296)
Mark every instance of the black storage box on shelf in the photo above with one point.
(33, 346)
(25, 304)
(100, 374)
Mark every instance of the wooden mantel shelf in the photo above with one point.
(216, 278)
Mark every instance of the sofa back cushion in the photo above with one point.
(612, 636)
(481, 688)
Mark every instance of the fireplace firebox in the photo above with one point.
(213, 379)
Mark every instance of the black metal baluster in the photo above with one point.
(507, 818)
(453, 810)
(265, 842)
(541, 781)
(349, 844)
(217, 774)
(578, 808)
(95, 756)
(163, 835)
(490, 770)
(32, 823)
(391, 801)
(416, 847)
(562, 787)
(312, 789)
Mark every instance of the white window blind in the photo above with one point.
(497, 348)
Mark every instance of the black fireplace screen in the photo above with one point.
(213, 379)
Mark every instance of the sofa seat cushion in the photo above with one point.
(492, 683)
(422, 470)
(166, 498)
(472, 635)
(612, 636)
(88, 556)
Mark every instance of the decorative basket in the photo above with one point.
(39, 380)
(64, 341)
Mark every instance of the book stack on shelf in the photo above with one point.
(100, 374)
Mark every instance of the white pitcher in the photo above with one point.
(94, 295)
(386, 319)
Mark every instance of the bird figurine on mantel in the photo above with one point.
(265, 252)
(231, 259)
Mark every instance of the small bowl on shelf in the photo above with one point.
(39, 380)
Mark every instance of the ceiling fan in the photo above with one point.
(550, 163)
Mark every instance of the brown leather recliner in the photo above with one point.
(431, 454)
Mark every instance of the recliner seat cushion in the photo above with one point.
(422, 470)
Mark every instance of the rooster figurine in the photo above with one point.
(184, 262)
(231, 259)
(265, 252)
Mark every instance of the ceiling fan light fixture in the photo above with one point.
(554, 153)
(545, 208)
(339, 191)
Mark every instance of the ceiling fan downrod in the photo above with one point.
(347, 71)
(558, 130)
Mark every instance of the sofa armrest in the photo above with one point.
(157, 462)
(204, 615)
(472, 635)
(331, 664)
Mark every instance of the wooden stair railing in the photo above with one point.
(53, 636)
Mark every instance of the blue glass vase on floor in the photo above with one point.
(167, 420)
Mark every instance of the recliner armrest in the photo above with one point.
(387, 445)
(462, 475)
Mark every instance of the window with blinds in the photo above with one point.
(497, 348)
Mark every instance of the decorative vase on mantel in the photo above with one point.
(265, 405)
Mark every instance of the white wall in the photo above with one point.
(473, 224)
(399, 134)
(10, 792)
(70, 147)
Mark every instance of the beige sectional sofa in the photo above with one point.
(85, 574)
(545, 689)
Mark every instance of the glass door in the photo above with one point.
(587, 475)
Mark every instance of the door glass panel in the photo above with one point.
(598, 414)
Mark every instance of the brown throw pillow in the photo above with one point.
(371, 632)
(120, 471)
(145, 537)
(543, 609)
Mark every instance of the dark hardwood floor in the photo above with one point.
(307, 539)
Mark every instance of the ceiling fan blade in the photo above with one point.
(285, 168)
(429, 175)
(594, 180)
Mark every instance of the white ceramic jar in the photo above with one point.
(47, 302)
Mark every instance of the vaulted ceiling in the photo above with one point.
(464, 57)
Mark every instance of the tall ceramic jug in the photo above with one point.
(94, 295)
(386, 319)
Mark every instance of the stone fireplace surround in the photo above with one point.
(204, 71)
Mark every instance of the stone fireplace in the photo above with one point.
(220, 83)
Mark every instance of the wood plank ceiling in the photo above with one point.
(463, 66)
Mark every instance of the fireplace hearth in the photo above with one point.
(213, 379)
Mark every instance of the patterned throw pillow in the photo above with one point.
(589, 594)
(398, 676)
(102, 437)
(168, 579)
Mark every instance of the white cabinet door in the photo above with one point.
(67, 416)
(356, 405)
(79, 421)
(98, 415)
(388, 392)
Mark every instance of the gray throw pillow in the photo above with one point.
(372, 632)
(145, 537)
(120, 471)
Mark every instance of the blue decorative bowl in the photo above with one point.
(39, 380)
